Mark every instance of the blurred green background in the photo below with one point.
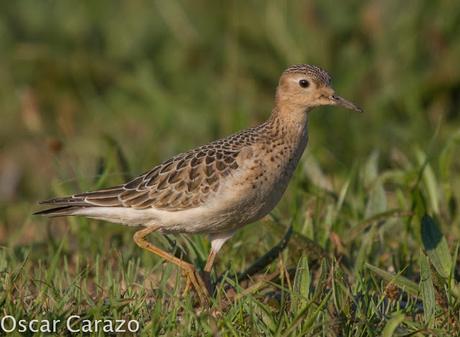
(93, 92)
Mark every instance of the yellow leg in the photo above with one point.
(192, 276)
(188, 285)
(210, 261)
(207, 271)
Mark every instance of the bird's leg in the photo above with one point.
(210, 261)
(206, 275)
(217, 241)
(207, 271)
(188, 285)
(192, 276)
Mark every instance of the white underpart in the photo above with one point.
(195, 218)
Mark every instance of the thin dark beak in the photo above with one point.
(340, 101)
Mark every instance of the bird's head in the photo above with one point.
(306, 86)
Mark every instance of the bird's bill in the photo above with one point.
(340, 101)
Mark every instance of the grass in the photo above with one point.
(95, 92)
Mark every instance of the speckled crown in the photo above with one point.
(319, 74)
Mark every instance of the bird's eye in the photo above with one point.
(304, 83)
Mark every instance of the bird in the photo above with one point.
(217, 188)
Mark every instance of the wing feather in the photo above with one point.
(184, 181)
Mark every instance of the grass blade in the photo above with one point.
(400, 281)
(302, 281)
(435, 245)
(392, 324)
(427, 289)
(430, 181)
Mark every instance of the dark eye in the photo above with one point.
(304, 83)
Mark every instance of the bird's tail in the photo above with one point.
(77, 204)
(101, 207)
(63, 206)
(59, 211)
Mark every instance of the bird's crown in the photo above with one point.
(318, 74)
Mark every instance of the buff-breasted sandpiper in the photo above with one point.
(216, 188)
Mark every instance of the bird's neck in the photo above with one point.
(289, 123)
(289, 130)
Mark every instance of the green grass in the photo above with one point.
(95, 92)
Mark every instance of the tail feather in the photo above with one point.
(64, 201)
(63, 206)
(73, 204)
(104, 197)
(59, 211)
(129, 217)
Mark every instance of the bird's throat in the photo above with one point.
(290, 130)
(289, 124)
